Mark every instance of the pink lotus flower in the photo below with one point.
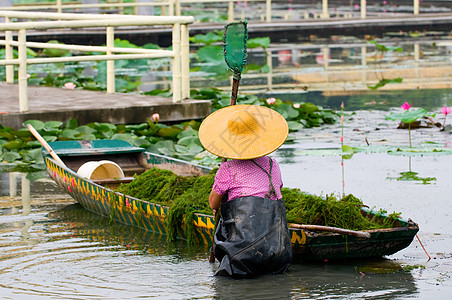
(446, 110)
(406, 106)
(296, 105)
(156, 117)
(271, 101)
(69, 85)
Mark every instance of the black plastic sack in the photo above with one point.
(252, 238)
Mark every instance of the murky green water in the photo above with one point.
(52, 248)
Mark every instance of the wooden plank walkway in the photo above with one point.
(58, 104)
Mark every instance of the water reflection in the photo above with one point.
(429, 99)
(413, 176)
(380, 278)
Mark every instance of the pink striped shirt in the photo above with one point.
(240, 178)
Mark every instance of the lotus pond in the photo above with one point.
(53, 248)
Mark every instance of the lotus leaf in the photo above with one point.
(287, 111)
(47, 138)
(13, 145)
(137, 127)
(35, 144)
(384, 82)
(33, 155)
(22, 133)
(205, 93)
(68, 134)
(256, 67)
(384, 48)
(207, 161)
(55, 52)
(84, 129)
(212, 54)
(188, 133)
(104, 127)
(152, 127)
(205, 153)
(86, 136)
(4, 135)
(140, 142)
(308, 108)
(207, 39)
(263, 42)
(127, 137)
(192, 123)
(52, 125)
(157, 92)
(294, 125)
(37, 124)
(71, 124)
(11, 157)
(170, 132)
(409, 116)
(347, 152)
(151, 46)
(190, 141)
(165, 147)
(50, 131)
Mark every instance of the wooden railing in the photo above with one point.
(179, 52)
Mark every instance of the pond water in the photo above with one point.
(53, 248)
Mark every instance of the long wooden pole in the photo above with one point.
(44, 144)
(360, 234)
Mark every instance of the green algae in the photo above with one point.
(186, 195)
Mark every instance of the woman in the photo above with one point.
(252, 236)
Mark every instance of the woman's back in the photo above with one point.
(240, 178)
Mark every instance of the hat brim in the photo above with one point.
(269, 135)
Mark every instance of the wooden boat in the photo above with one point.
(98, 197)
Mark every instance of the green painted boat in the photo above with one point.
(98, 196)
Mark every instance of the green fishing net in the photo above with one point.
(235, 53)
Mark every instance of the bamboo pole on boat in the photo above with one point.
(44, 144)
(359, 234)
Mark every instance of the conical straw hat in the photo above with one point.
(243, 131)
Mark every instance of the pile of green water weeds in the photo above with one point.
(185, 195)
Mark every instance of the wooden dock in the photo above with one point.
(58, 104)
(279, 31)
